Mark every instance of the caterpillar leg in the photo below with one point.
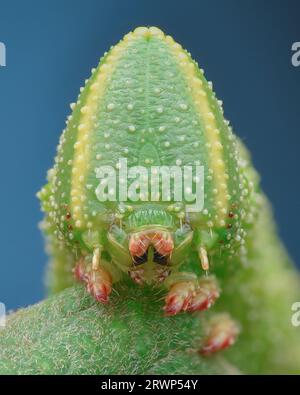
(191, 295)
(97, 279)
(221, 333)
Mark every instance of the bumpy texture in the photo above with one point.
(148, 103)
(72, 334)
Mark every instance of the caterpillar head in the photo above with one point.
(151, 241)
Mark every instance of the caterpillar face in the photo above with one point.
(149, 250)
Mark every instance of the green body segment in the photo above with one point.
(149, 103)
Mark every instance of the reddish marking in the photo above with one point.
(178, 298)
(163, 245)
(203, 300)
(79, 272)
(211, 346)
(100, 292)
(222, 333)
(98, 283)
(161, 241)
(136, 276)
(174, 305)
(162, 274)
(138, 245)
(230, 214)
(205, 295)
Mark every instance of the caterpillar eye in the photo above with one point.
(139, 260)
(160, 259)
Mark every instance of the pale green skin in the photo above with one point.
(155, 82)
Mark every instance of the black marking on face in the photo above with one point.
(139, 260)
(160, 259)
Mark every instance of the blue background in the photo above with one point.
(244, 47)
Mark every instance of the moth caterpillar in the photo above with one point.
(149, 105)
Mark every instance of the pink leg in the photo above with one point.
(191, 296)
(179, 297)
(206, 294)
(98, 282)
(222, 332)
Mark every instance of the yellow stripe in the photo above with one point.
(86, 126)
(211, 130)
(97, 91)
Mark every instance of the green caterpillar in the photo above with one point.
(148, 105)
